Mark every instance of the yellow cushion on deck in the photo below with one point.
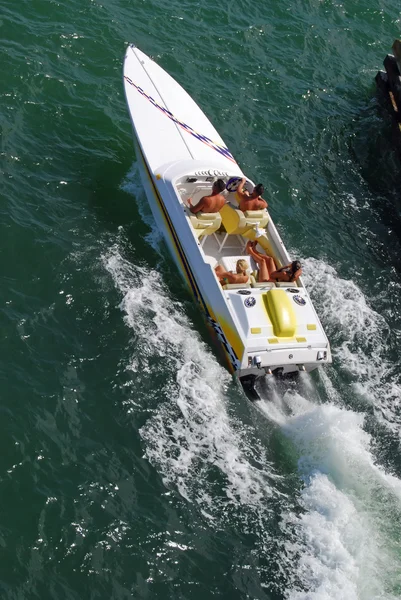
(236, 222)
(205, 223)
(281, 312)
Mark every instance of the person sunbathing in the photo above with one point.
(241, 275)
(267, 267)
(265, 263)
(289, 272)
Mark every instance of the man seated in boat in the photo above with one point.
(267, 267)
(241, 275)
(212, 203)
(253, 200)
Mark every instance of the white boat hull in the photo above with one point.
(180, 154)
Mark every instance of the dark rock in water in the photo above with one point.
(396, 47)
(382, 81)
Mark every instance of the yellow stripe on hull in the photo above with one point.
(231, 336)
(167, 225)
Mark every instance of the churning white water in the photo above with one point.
(343, 538)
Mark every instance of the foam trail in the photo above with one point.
(360, 339)
(343, 540)
(332, 394)
(306, 385)
(340, 540)
(272, 404)
(192, 433)
(132, 185)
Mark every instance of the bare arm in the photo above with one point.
(229, 276)
(240, 190)
(235, 277)
(198, 207)
(296, 275)
(278, 274)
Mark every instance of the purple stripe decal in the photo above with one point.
(202, 138)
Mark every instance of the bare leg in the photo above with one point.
(266, 263)
(220, 272)
(271, 265)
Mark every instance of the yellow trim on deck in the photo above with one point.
(232, 338)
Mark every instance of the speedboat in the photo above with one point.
(265, 327)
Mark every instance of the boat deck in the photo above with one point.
(217, 246)
(234, 246)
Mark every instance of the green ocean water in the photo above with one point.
(131, 464)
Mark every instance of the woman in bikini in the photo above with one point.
(267, 267)
(289, 273)
(241, 275)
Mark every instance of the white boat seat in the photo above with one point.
(205, 223)
(210, 260)
(286, 284)
(229, 263)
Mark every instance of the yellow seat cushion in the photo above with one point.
(205, 223)
(236, 222)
